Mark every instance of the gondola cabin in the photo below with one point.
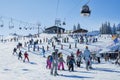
(85, 11)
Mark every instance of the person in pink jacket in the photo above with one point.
(49, 62)
(61, 62)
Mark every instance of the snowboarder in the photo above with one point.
(26, 56)
(54, 62)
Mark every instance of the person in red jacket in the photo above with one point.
(26, 56)
(78, 53)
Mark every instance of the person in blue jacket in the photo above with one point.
(71, 62)
(54, 62)
(87, 57)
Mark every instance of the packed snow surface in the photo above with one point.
(13, 69)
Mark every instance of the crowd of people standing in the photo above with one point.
(55, 61)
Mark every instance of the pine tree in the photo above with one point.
(78, 26)
(114, 29)
(109, 31)
(106, 28)
(101, 29)
(118, 27)
(74, 28)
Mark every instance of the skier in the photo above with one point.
(47, 48)
(25, 44)
(53, 47)
(20, 55)
(52, 44)
(98, 57)
(54, 62)
(48, 62)
(69, 46)
(118, 59)
(40, 41)
(87, 58)
(78, 60)
(61, 62)
(14, 51)
(67, 60)
(61, 46)
(29, 46)
(19, 45)
(75, 44)
(26, 56)
(43, 51)
(71, 63)
(78, 53)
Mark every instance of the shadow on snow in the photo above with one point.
(75, 76)
(106, 70)
(33, 63)
(25, 69)
(7, 69)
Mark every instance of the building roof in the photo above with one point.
(80, 31)
(54, 27)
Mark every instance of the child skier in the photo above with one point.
(78, 52)
(67, 60)
(71, 63)
(20, 55)
(78, 60)
(61, 61)
(14, 51)
(49, 62)
(26, 56)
